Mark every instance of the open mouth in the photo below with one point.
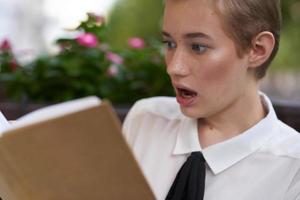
(186, 93)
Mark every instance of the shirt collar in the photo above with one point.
(225, 154)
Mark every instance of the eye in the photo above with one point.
(169, 44)
(199, 48)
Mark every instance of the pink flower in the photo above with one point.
(5, 45)
(136, 43)
(113, 71)
(87, 40)
(114, 58)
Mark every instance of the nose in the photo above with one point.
(177, 65)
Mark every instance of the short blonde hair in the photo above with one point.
(244, 19)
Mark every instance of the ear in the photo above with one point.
(261, 49)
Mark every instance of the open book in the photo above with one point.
(70, 151)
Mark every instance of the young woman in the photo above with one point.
(217, 51)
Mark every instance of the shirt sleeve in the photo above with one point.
(293, 192)
(132, 122)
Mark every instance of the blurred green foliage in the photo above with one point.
(88, 65)
(143, 18)
(288, 55)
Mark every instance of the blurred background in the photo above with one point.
(54, 50)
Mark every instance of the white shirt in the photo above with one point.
(263, 163)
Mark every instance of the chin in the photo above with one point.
(192, 112)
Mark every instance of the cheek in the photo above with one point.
(220, 70)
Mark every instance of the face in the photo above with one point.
(202, 62)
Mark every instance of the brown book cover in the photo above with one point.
(79, 156)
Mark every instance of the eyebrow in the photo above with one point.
(189, 35)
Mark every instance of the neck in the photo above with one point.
(241, 115)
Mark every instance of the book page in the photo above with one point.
(4, 124)
(55, 111)
(80, 156)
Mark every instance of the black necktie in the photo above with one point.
(189, 183)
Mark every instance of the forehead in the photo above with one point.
(190, 16)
